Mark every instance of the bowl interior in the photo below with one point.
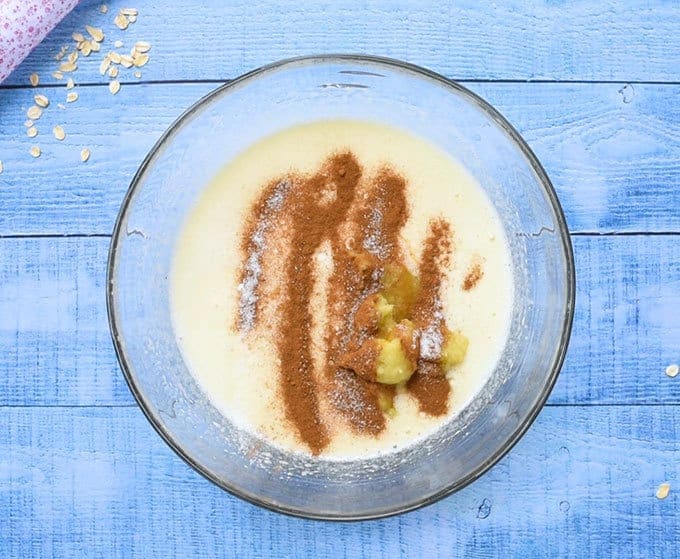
(261, 103)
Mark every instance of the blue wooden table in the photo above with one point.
(594, 87)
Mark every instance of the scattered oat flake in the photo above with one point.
(58, 132)
(73, 57)
(118, 44)
(663, 490)
(114, 87)
(142, 46)
(70, 84)
(132, 19)
(121, 22)
(67, 67)
(126, 61)
(115, 57)
(104, 66)
(96, 47)
(32, 132)
(87, 48)
(141, 59)
(77, 37)
(138, 74)
(41, 101)
(34, 113)
(58, 75)
(95, 32)
(84, 154)
(103, 8)
(28, 123)
(71, 96)
(34, 79)
(113, 72)
(35, 151)
(129, 11)
(672, 370)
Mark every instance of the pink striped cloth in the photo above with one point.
(23, 24)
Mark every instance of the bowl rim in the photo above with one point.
(562, 230)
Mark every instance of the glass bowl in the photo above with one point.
(278, 96)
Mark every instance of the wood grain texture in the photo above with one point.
(54, 337)
(612, 152)
(101, 483)
(467, 39)
(56, 348)
(83, 481)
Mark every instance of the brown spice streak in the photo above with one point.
(430, 387)
(374, 228)
(410, 342)
(362, 360)
(429, 384)
(382, 215)
(366, 319)
(362, 220)
(313, 220)
(473, 276)
(253, 246)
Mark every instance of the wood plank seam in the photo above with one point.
(219, 81)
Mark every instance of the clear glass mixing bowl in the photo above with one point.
(291, 92)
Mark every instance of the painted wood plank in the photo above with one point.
(611, 151)
(56, 348)
(54, 338)
(100, 482)
(469, 39)
(625, 330)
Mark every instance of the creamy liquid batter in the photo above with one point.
(239, 377)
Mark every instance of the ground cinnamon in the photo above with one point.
(254, 243)
(361, 218)
(373, 238)
(362, 360)
(429, 384)
(382, 215)
(473, 276)
(315, 216)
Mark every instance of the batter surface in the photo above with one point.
(227, 324)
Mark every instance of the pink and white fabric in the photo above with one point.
(23, 24)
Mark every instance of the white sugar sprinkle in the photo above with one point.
(431, 339)
(372, 241)
(253, 267)
(431, 343)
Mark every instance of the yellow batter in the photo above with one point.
(241, 378)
